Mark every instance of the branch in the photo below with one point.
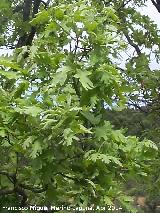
(35, 190)
(6, 191)
(10, 176)
(135, 46)
(26, 14)
(36, 7)
(46, 4)
(18, 8)
(156, 4)
(68, 177)
(132, 43)
(75, 86)
(17, 163)
(142, 109)
(127, 2)
(8, 139)
(18, 190)
(27, 39)
(124, 4)
(26, 9)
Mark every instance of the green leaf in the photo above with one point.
(126, 202)
(102, 157)
(7, 63)
(51, 193)
(36, 149)
(41, 18)
(91, 26)
(89, 116)
(9, 74)
(60, 76)
(28, 142)
(116, 161)
(69, 136)
(108, 201)
(83, 78)
(2, 132)
(109, 75)
(150, 144)
(29, 110)
(59, 13)
(84, 129)
(95, 156)
(103, 131)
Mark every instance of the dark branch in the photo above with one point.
(68, 177)
(10, 176)
(27, 38)
(20, 191)
(35, 7)
(17, 163)
(142, 109)
(6, 191)
(156, 4)
(33, 28)
(45, 4)
(75, 86)
(18, 8)
(124, 4)
(26, 17)
(132, 43)
(33, 189)
(27, 9)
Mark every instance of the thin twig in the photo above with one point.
(34, 189)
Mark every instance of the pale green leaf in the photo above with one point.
(36, 149)
(69, 137)
(84, 129)
(108, 201)
(60, 76)
(83, 78)
(2, 132)
(28, 142)
(9, 74)
(30, 110)
(150, 144)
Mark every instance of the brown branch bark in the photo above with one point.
(27, 38)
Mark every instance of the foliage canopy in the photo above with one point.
(57, 146)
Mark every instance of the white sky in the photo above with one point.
(152, 12)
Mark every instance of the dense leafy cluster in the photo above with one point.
(57, 144)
